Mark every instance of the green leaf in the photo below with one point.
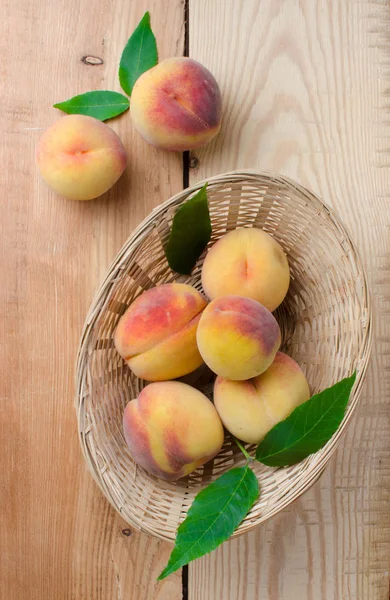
(308, 428)
(101, 104)
(190, 233)
(139, 55)
(215, 513)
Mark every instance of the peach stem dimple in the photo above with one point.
(245, 267)
(186, 108)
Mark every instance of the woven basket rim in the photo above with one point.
(102, 295)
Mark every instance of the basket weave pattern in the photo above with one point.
(325, 323)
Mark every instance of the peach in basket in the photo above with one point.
(325, 327)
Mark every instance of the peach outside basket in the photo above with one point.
(325, 322)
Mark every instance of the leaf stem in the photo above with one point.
(241, 447)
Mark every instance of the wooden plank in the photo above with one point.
(59, 537)
(303, 86)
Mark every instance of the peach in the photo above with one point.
(248, 262)
(249, 409)
(237, 337)
(176, 105)
(157, 334)
(171, 429)
(80, 157)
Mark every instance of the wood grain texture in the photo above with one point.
(305, 88)
(60, 539)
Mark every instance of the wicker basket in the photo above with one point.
(325, 322)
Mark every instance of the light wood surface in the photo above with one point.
(59, 538)
(304, 85)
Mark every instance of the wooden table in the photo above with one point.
(306, 93)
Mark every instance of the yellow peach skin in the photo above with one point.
(157, 334)
(176, 105)
(171, 429)
(80, 157)
(248, 262)
(249, 409)
(237, 337)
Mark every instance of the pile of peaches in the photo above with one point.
(171, 330)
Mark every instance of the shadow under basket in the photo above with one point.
(325, 322)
